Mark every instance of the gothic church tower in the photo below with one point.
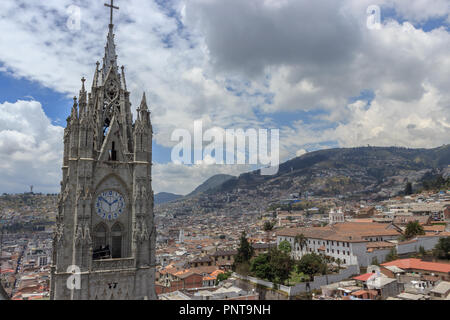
(104, 244)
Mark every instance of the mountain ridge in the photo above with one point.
(210, 184)
(164, 197)
(361, 172)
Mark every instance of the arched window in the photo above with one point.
(113, 152)
(101, 249)
(100, 236)
(116, 237)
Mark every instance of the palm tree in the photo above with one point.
(413, 229)
(339, 261)
(300, 239)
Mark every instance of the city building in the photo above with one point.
(354, 242)
(412, 265)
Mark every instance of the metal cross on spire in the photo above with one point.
(112, 10)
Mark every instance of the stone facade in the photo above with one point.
(105, 225)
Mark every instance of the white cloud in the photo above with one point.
(181, 179)
(30, 148)
(301, 152)
(228, 57)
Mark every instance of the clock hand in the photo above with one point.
(106, 201)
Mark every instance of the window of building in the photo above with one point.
(99, 236)
(113, 152)
(101, 248)
(116, 237)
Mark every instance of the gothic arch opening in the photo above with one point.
(116, 240)
(110, 180)
(113, 152)
(101, 248)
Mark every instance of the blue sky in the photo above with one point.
(233, 64)
(56, 105)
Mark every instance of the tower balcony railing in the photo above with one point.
(113, 264)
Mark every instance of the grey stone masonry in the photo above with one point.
(105, 230)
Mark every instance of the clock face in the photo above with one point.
(109, 205)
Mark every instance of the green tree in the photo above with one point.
(222, 276)
(413, 229)
(339, 262)
(300, 239)
(245, 252)
(442, 249)
(296, 277)
(312, 264)
(285, 246)
(281, 264)
(260, 267)
(268, 226)
(408, 188)
(275, 266)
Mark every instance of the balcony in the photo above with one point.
(113, 264)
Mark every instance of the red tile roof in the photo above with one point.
(362, 292)
(419, 264)
(434, 228)
(363, 277)
(347, 231)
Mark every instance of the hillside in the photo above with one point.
(164, 197)
(364, 172)
(350, 167)
(211, 184)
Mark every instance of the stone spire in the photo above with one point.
(143, 112)
(124, 83)
(74, 114)
(110, 58)
(143, 105)
(96, 76)
(82, 98)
